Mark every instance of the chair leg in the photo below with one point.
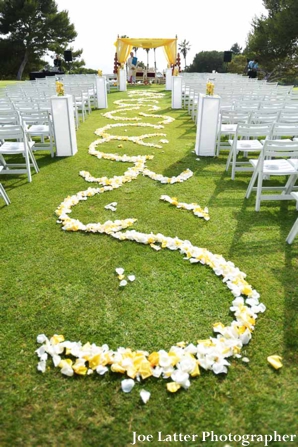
(33, 160)
(4, 195)
(259, 191)
(234, 158)
(218, 144)
(290, 184)
(251, 183)
(28, 167)
(229, 158)
(293, 233)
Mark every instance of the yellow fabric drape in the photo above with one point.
(171, 52)
(125, 44)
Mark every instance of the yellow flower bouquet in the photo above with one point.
(210, 88)
(59, 88)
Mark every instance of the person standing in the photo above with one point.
(132, 67)
(255, 69)
(250, 68)
(57, 62)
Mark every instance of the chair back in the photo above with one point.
(12, 133)
(235, 117)
(264, 116)
(254, 130)
(285, 130)
(280, 149)
(288, 116)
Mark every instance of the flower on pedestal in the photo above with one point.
(59, 88)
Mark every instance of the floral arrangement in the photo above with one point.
(210, 88)
(183, 361)
(59, 88)
(99, 73)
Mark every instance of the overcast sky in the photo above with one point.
(206, 24)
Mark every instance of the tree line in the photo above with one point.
(30, 29)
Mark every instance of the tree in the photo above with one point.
(236, 49)
(207, 61)
(184, 48)
(35, 26)
(273, 39)
(238, 64)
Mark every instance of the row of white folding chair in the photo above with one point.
(37, 123)
(277, 158)
(15, 142)
(283, 122)
(247, 138)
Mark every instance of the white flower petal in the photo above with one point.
(41, 366)
(127, 385)
(67, 371)
(123, 283)
(145, 396)
(131, 277)
(119, 270)
(101, 370)
(41, 338)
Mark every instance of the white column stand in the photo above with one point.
(169, 79)
(177, 92)
(64, 125)
(101, 92)
(207, 124)
(122, 80)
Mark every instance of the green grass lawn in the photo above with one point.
(57, 282)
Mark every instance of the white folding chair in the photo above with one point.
(39, 124)
(227, 125)
(20, 146)
(276, 158)
(246, 140)
(294, 230)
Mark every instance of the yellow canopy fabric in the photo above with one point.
(125, 44)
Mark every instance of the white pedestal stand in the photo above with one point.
(122, 80)
(177, 92)
(169, 79)
(207, 124)
(64, 125)
(101, 92)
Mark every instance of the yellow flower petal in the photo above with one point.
(275, 361)
(154, 358)
(174, 358)
(117, 368)
(196, 371)
(80, 369)
(94, 362)
(173, 387)
(145, 369)
(57, 339)
(66, 362)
